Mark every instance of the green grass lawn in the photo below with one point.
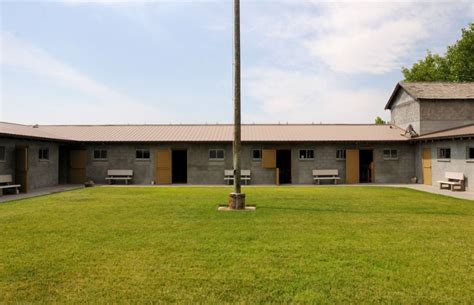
(302, 245)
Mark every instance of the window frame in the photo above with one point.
(41, 154)
(4, 148)
(469, 159)
(100, 150)
(216, 150)
(142, 158)
(306, 150)
(253, 155)
(390, 157)
(443, 158)
(344, 154)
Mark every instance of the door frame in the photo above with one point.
(172, 165)
(278, 172)
(22, 174)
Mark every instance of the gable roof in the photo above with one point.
(463, 131)
(209, 133)
(434, 91)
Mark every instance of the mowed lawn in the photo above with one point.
(302, 245)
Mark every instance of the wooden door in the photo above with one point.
(426, 163)
(163, 161)
(77, 166)
(21, 167)
(352, 166)
(269, 158)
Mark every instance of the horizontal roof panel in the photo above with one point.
(209, 133)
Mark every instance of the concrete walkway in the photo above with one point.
(41, 192)
(436, 190)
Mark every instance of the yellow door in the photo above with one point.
(352, 166)
(269, 158)
(426, 162)
(21, 168)
(77, 166)
(163, 166)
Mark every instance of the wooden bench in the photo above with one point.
(325, 174)
(6, 183)
(245, 175)
(453, 180)
(119, 175)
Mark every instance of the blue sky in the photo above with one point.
(104, 61)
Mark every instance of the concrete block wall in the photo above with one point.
(457, 163)
(41, 173)
(201, 170)
(7, 167)
(405, 111)
(440, 115)
(395, 171)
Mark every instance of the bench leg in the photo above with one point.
(17, 191)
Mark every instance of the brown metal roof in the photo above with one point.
(435, 91)
(463, 131)
(209, 133)
(28, 131)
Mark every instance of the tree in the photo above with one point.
(457, 65)
(379, 121)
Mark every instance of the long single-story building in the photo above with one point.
(431, 132)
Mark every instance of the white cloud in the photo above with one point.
(92, 99)
(316, 54)
(20, 54)
(293, 96)
(367, 37)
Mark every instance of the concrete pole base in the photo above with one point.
(237, 201)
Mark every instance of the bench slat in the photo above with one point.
(119, 172)
(10, 186)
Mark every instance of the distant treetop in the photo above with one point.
(456, 65)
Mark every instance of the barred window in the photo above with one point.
(306, 154)
(257, 154)
(142, 154)
(444, 153)
(341, 154)
(216, 154)
(100, 154)
(43, 154)
(390, 154)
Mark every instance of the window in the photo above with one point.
(2, 153)
(306, 154)
(142, 154)
(444, 153)
(469, 155)
(43, 154)
(100, 154)
(341, 154)
(390, 154)
(216, 154)
(257, 154)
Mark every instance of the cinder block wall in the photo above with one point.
(201, 170)
(405, 111)
(41, 173)
(457, 163)
(440, 115)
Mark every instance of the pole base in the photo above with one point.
(237, 201)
